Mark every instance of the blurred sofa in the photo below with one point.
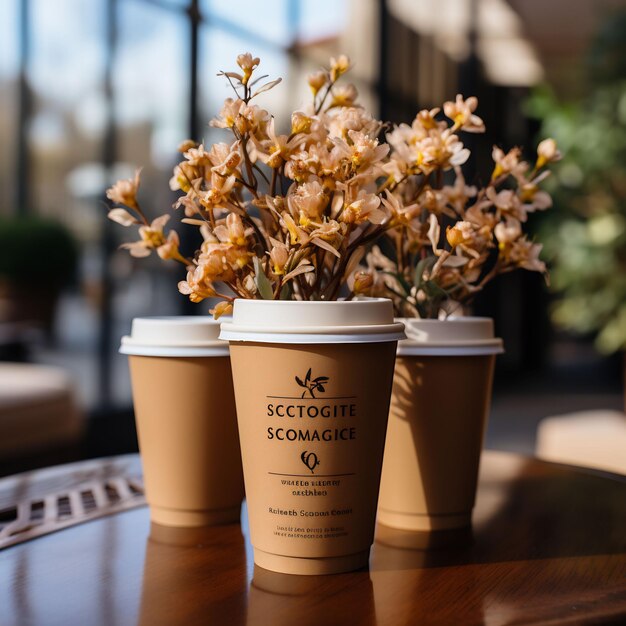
(595, 439)
(38, 411)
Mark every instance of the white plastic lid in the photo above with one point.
(176, 336)
(285, 321)
(454, 336)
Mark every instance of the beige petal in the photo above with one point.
(184, 288)
(136, 249)
(324, 244)
(376, 216)
(159, 222)
(301, 269)
(268, 86)
(434, 231)
(455, 261)
(122, 216)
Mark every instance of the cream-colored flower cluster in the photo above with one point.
(289, 215)
(446, 240)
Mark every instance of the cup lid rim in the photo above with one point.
(198, 350)
(315, 321)
(454, 333)
(170, 332)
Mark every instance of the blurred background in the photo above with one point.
(92, 89)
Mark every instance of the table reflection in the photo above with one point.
(411, 588)
(183, 568)
(424, 540)
(286, 600)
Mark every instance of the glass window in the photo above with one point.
(268, 20)
(151, 87)
(67, 134)
(321, 19)
(65, 74)
(174, 4)
(151, 82)
(9, 48)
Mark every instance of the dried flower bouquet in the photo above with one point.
(289, 216)
(282, 216)
(445, 242)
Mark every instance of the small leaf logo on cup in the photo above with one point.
(312, 384)
(310, 460)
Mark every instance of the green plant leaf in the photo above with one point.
(421, 267)
(261, 280)
(433, 290)
(421, 310)
(401, 280)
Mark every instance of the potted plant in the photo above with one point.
(444, 242)
(586, 234)
(18, 237)
(284, 219)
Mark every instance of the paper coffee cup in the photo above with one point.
(312, 384)
(439, 409)
(186, 420)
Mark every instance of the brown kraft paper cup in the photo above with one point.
(312, 421)
(439, 409)
(187, 430)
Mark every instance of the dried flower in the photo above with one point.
(344, 96)
(338, 67)
(508, 163)
(461, 112)
(365, 208)
(196, 286)
(460, 233)
(508, 231)
(547, 152)
(525, 254)
(222, 308)
(279, 255)
(247, 63)
(151, 238)
(307, 202)
(363, 283)
(425, 274)
(229, 114)
(187, 145)
(125, 191)
(317, 80)
(426, 119)
(169, 249)
(300, 123)
(289, 215)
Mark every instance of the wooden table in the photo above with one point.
(549, 546)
